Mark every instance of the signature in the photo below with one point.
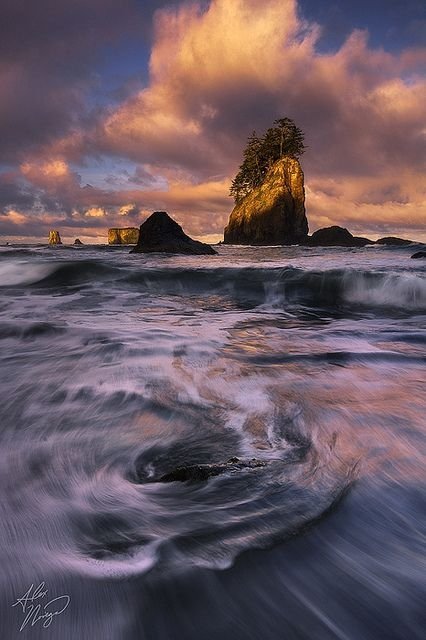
(37, 611)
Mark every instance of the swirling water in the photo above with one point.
(117, 368)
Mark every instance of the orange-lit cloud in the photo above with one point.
(50, 174)
(16, 217)
(95, 212)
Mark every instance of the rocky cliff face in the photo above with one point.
(274, 212)
(54, 237)
(127, 235)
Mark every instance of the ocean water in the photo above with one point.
(116, 368)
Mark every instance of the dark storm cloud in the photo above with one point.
(47, 52)
(14, 192)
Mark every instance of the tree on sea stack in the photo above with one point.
(284, 138)
(269, 189)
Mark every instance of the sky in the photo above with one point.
(112, 109)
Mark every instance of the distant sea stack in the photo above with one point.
(160, 233)
(127, 235)
(54, 237)
(78, 242)
(273, 212)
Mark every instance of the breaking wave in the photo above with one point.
(246, 286)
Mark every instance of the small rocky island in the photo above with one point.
(126, 235)
(203, 472)
(54, 237)
(391, 241)
(161, 234)
(335, 237)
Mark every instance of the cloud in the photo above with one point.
(14, 192)
(219, 72)
(127, 209)
(209, 69)
(48, 50)
(15, 217)
(95, 212)
(52, 175)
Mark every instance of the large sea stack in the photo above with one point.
(161, 234)
(127, 235)
(54, 237)
(274, 212)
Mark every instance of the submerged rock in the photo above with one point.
(77, 241)
(54, 237)
(126, 235)
(160, 233)
(336, 236)
(394, 242)
(274, 212)
(419, 254)
(202, 472)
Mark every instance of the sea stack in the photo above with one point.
(274, 212)
(54, 237)
(127, 235)
(161, 234)
(78, 242)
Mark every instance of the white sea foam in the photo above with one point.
(405, 290)
(18, 272)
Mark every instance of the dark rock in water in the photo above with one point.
(202, 472)
(394, 242)
(160, 233)
(274, 212)
(54, 237)
(364, 241)
(126, 235)
(419, 254)
(336, 237)
(77, 241)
